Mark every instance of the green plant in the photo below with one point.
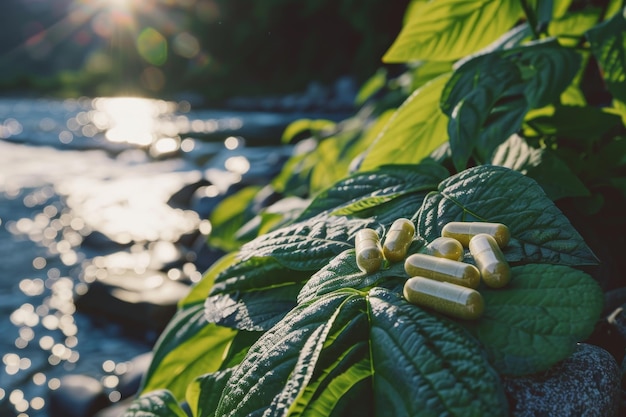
(287, 324)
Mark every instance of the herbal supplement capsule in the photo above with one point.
(464, 231)
(398, 239)
(445, 247)
(444, 297)
(490, 260)
(442, 269)
(369, 254)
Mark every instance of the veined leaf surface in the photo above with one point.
(540, 232)
(538, 318)
(446, 30)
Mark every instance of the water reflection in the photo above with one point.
(60, 204)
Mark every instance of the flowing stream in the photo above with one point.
(79, 180)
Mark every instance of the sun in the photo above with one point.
(118, 4)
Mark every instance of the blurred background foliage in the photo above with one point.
(213, 49)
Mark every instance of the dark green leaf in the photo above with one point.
(582, 125)
(413, 132)
(548, 69)
(428, 366)
(253, 294)
(405, 206)
(554, 176)
(306, 245)
(282, 362)
(365, 190)
(187, 348)
(343, 272)
(538, 318)
(446, 30)
(159, 403)
(489, 95)
(608, 44)
(256, 310)
(539, 230)
(204, 393)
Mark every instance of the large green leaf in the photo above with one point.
(445, 30)
(370, 189)
(488, 96)
(608, 44)
(413, 132)
(425, 365)
(538, 318)
(539, 230)
(187, 348)
(283, 361)
(159, 403)
(309, 363)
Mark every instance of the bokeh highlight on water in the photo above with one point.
(74, 169)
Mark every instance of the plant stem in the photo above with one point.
(530, 17)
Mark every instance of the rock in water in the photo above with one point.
(587, 384)
(78, 396)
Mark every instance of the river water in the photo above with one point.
(74, 169)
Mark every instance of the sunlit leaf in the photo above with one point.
(370, 189)
(204, 393)
(229, 215)
(413, 132)
(538, 318)
(446, 30)
(200, 290)
(301, 126)
(187, 348)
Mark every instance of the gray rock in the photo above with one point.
(77, 396)
(587, 384)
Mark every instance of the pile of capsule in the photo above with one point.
(438, 278)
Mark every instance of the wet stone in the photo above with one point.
(77, 396)
(587, 384)
(130, 381)
(147, 300)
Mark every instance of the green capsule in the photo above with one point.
(442, 269)
(445, 247)
(398, 239)
(369, 254)
(464, 231)
(490, 260)
(444, 297)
